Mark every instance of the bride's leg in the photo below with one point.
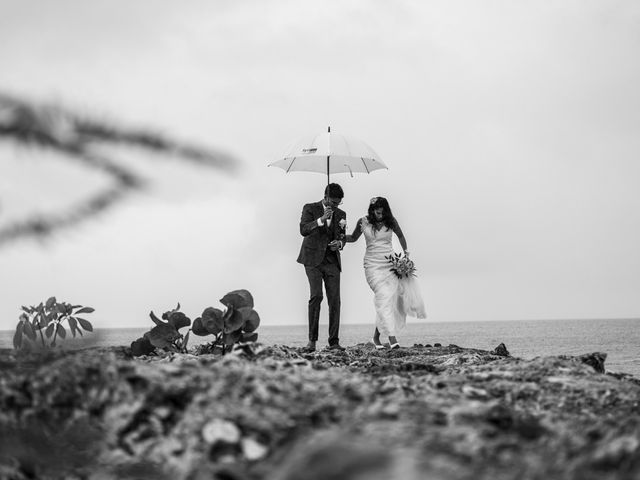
(376, 339)
(376, 335)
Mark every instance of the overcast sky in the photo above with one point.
(511, 130)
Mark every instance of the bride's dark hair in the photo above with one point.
(387, 216)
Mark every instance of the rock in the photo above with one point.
(617, 450)
(465, 358)
(474, 392)
(445, 413)
(501, 351)
(390, 410)
(220, 431)
(330, 457)
(252, 449)
(595, 360)
(212, 472)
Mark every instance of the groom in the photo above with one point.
(322, 226)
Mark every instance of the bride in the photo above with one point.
(394, 297)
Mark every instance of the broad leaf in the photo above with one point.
(212, 320)
(49, 331)
(237, 298)
(232, 337)
(50, 302)
(73, 325)
(141, 346)
(62, 333)
(17, 337)
(249, 337)
(198, 328)
(234, 321)
(162, 336)
(178, 320)
(251, 319)
(85, 324)
(166, 315)
(155, 319)
(85, 310)
(28, 330)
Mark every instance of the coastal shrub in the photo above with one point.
(235, 327)
(165, 335)
(46, 320)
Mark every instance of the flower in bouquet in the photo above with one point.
(401, 266)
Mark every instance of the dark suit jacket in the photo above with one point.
(316, 239)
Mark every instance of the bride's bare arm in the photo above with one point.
(398, 231)
(356, 232)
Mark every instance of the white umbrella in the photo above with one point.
(329, 153)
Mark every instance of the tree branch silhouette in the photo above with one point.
(73, 135)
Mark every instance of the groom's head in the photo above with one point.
(333, 195)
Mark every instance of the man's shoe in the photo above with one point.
(311, 347)
(336, 346)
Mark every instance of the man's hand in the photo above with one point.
(328, 213)
(334, 245)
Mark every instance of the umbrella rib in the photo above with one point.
(365, 165)
(291, 165)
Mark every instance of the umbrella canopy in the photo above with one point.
(329, 153)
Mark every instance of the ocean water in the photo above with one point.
(619, 338)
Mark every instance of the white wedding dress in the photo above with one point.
(394, 298)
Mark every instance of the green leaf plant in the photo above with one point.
(46, 321)
(165, 335)
(234, 328)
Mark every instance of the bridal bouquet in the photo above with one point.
(401, 265)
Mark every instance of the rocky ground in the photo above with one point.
(421, 412)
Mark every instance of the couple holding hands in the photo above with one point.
(322, 225)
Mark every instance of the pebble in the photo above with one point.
(474, 392)
(220, 431)
(252, 449)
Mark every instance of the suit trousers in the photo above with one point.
(329, 273)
